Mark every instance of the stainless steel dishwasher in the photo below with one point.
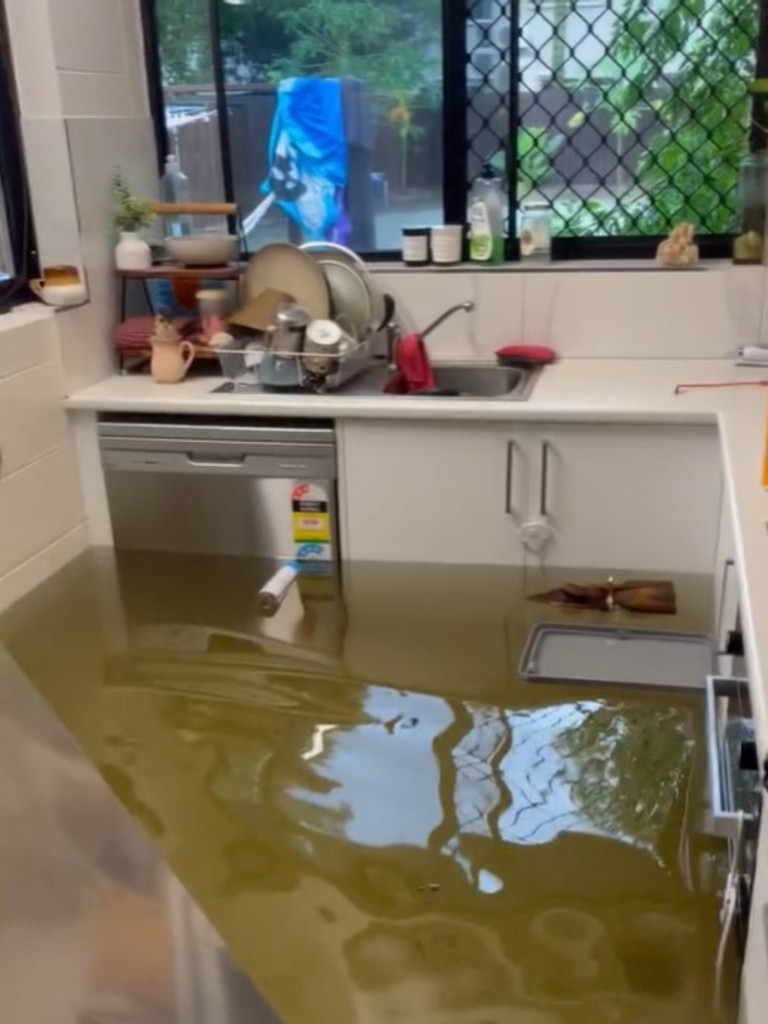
(263, 488)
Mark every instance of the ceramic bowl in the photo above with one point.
(210, 250)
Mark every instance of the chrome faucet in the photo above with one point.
(393, 329)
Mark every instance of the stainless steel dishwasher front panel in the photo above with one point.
(229, 487)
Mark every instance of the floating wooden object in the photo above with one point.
(647, 597)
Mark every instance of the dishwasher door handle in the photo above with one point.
(248, 464)
(212, 463)
(236, 463)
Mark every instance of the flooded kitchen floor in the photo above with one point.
(382, 820)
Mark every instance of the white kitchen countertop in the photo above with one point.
(627, 389)
(607, 390)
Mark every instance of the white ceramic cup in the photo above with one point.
(60, 286)
(447, 243)
(325, 341)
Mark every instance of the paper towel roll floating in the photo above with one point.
(272, 594)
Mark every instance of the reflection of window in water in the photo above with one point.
(588, 767)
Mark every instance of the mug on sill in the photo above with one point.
(60, 286)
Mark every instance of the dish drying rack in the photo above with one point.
(252, 364)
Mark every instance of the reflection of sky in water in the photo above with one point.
(421, 763)
(384, 778)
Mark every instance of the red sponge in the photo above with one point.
(538, 355)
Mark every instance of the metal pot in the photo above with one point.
(290, 324)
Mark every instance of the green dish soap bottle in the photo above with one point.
(486, 218)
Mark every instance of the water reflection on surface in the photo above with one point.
(427, 840)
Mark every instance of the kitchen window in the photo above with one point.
(16, 232)
(350, 119)
(16, 237)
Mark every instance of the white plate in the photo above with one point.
(324, 252)
(288, 269)
(350, 297)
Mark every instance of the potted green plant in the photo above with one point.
(129, 216)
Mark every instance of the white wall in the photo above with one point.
(80, 74)
(41, 510)
(706, 313)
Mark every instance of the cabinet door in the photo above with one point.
(436, 492)
(629, 497)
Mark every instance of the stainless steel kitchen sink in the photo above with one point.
(458, 380)
(452, 380)
(480, 381)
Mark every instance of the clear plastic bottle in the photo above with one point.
(486, 218)
(174, 188)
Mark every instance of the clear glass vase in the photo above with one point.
(749, 245)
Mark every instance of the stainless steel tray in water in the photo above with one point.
(612, 654)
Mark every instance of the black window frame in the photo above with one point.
(14, 180)
(455, 142)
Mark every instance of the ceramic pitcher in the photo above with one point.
(171, 357)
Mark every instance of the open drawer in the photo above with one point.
(733, 770)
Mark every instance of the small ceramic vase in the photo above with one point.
(132, 252)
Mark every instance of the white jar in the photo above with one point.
(447, 242)
(132, 252)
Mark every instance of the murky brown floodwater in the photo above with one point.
(381, 819)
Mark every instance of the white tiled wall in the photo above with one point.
(636, 313)
(88, 35)
(80, 72)
(80, 75)
(41, 509)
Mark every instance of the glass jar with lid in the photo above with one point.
(536, 230)
(748, 247)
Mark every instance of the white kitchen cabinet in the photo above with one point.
(432, 492)
(613, 496)
(628, 496)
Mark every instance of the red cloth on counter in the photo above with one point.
(414, 370)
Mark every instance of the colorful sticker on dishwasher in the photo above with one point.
(311, 521)
(314, 558)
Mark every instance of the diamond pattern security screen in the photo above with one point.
(627, 116)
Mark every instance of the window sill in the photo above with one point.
(570, 266)
(23, 314)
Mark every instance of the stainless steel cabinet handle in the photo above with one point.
(509, 506)
(543, 497)
(295, 467)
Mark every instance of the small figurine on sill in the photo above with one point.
(679, 249)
